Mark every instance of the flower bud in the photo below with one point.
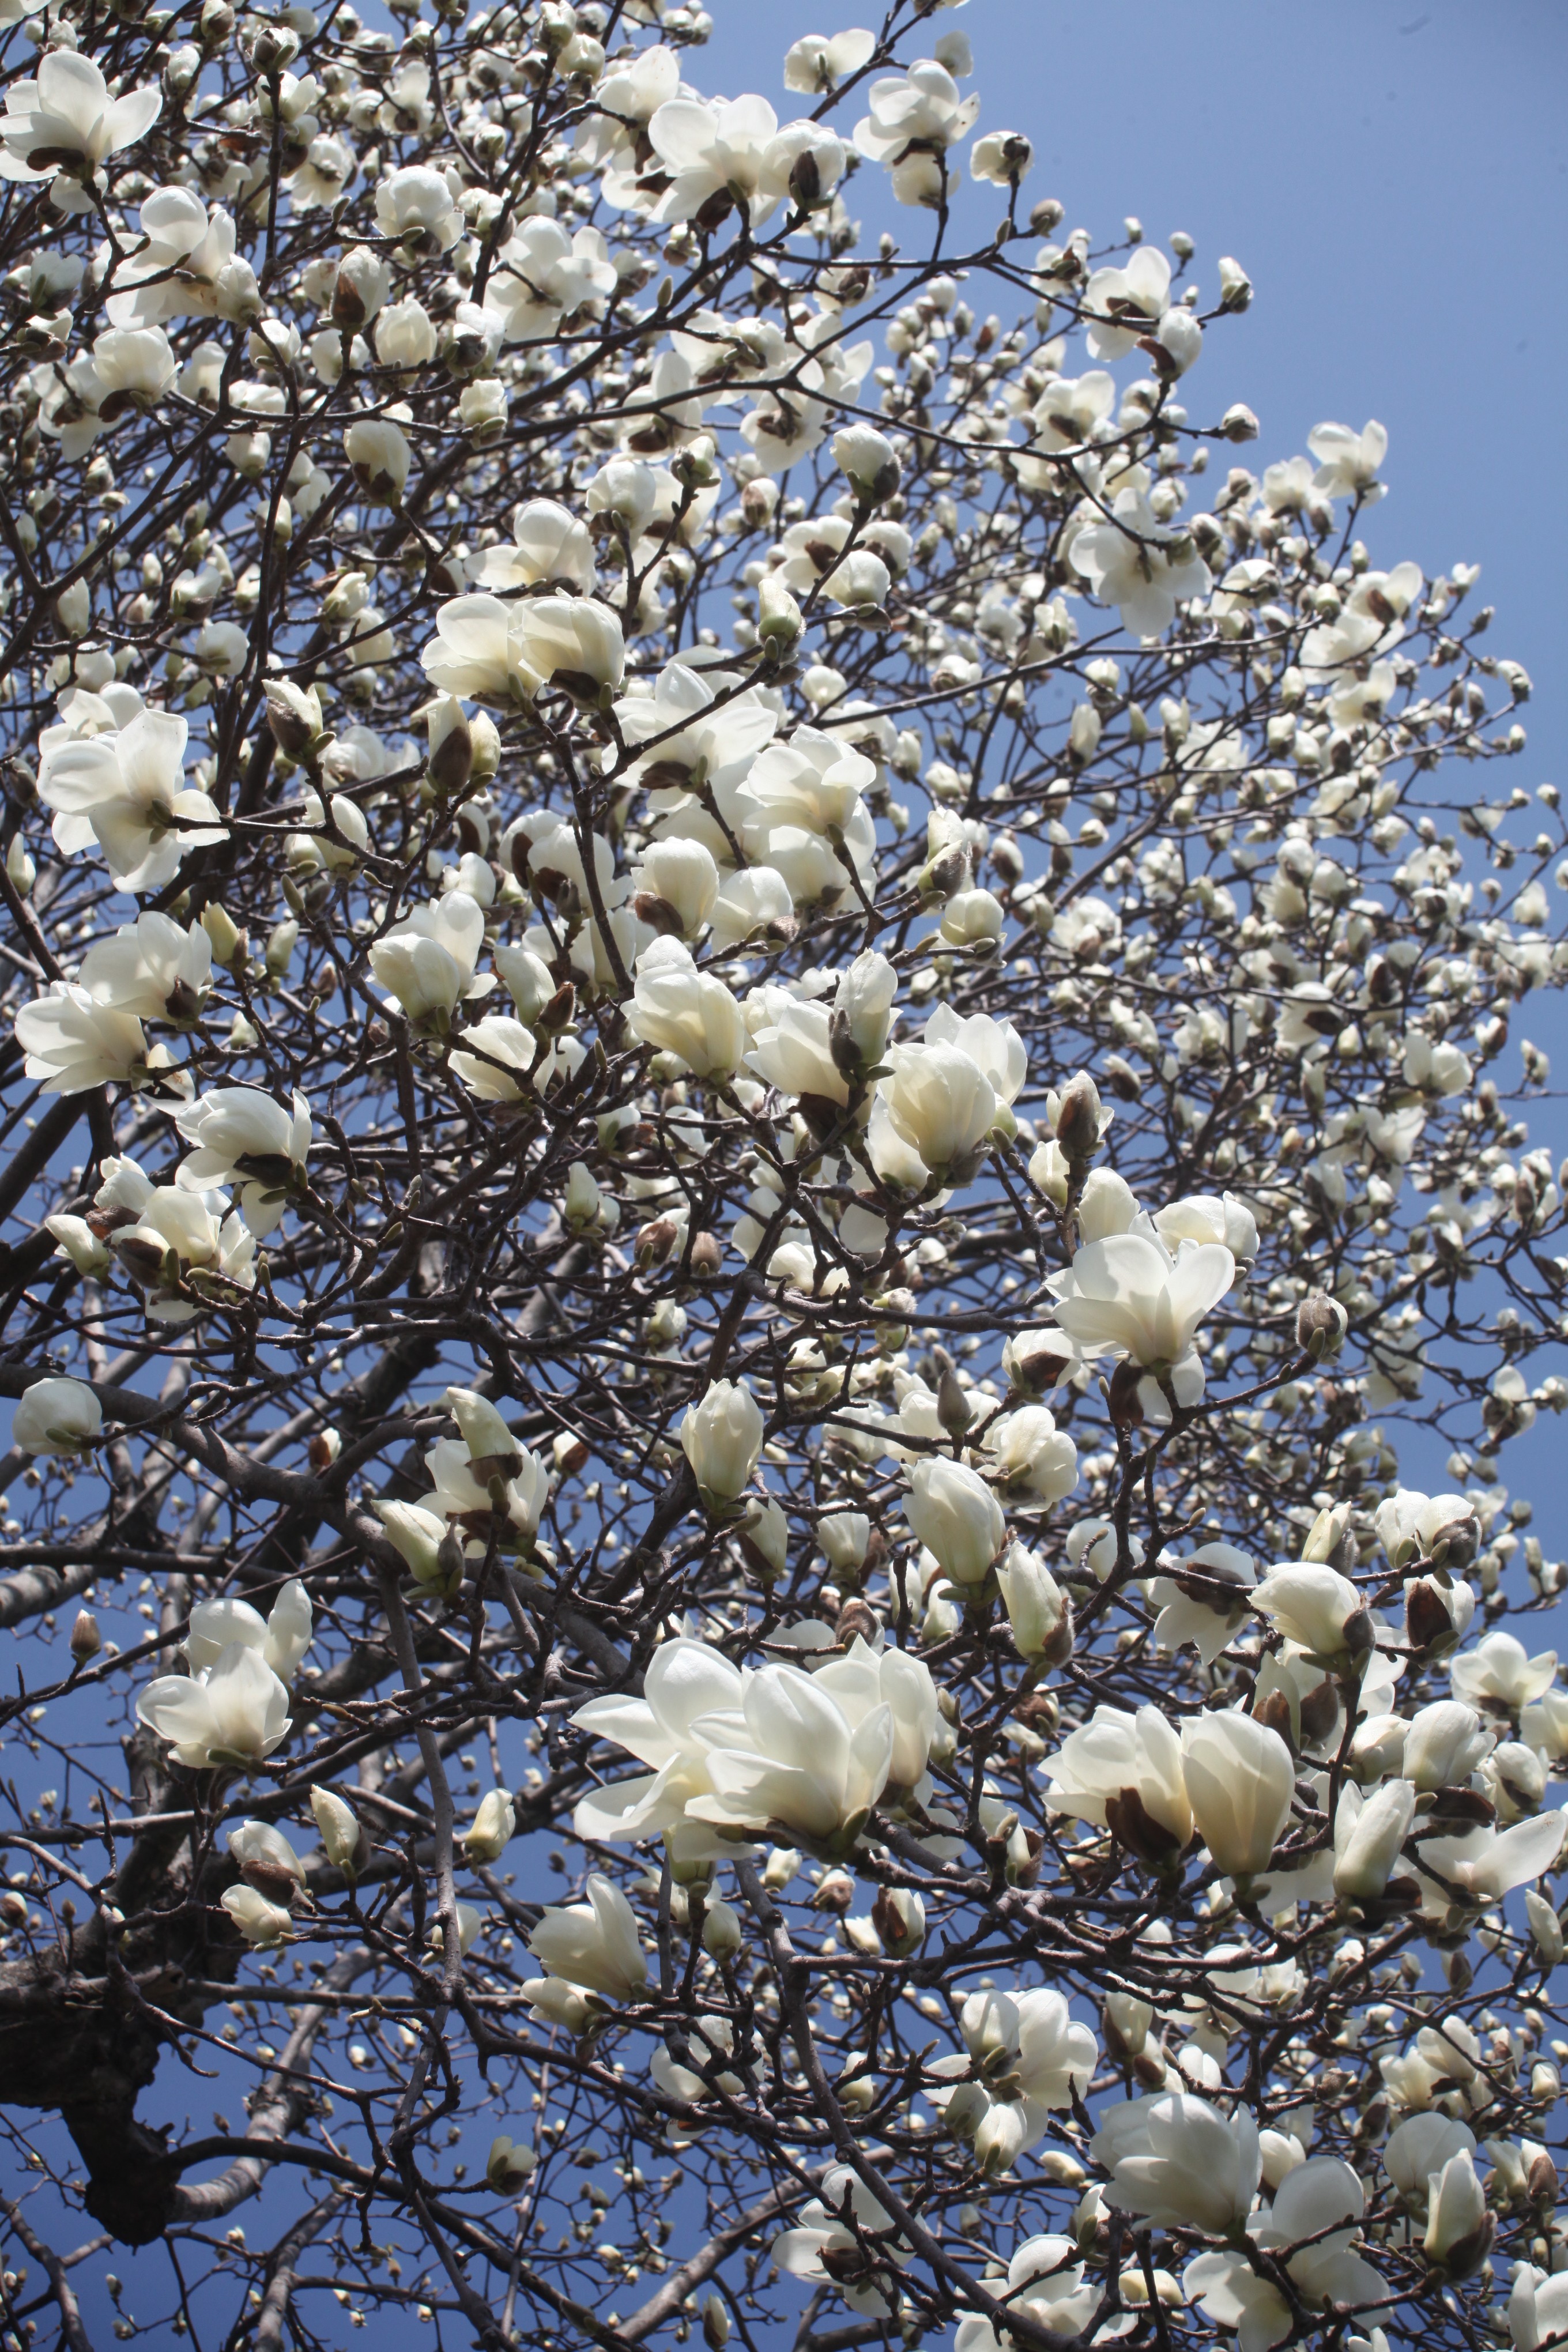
(866, 457)
(780, 619)
(344, 1840)
(722, 1934)
(451, 757)
(900, 1918)
(1321, 1326)
(492, 1828)
(510, 2163)
(1078, 1119)
(86, 1640)
(224, 934)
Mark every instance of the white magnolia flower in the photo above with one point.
(235, 1712)
(262, 1923)
(1123, 1773)
(595, 1944)
(1129, 1293)
(414, 206)
(942, 1104)
(186, 266)
(1029, 1454)
(1500, 1672)
(1368, 1836)
(72, 1043)
(1179, 2161)
(1313, 1605)
(1142, 565)
(722, 1437)
(1321, 2202)
(124, 790)
(817, 62)
(244, 1138)
(956, 1515)
(1240, 1779)
(550, 548)
(1127, 303)
(280, 1638)
(792, 1756)
(823, 2249)
(914, 116)
(688, 1012)
(427, 959)
(64, 124)
(1192, 1602)
(57, 1416)
(154, 968)
(1348, 461)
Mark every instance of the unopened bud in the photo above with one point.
(86, 1640)
(1321, 1326)
(1079, 1118)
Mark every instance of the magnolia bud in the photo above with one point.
(86, 1641)
(1079, 1118)
(722, 1934)
(224, 934)
(451, 759)
(1321, 1326)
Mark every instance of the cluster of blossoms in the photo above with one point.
(770, 1155)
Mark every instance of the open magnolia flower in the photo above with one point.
(233, 1711)
(125, 790)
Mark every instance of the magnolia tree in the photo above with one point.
(758, 1058)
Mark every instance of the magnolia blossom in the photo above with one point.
(243, 1137)
(426, 962)
(1316, 1606)
(727, 149)
(1178, 2160)
(823, 2248)
(64, 124)
(1139, 563)
(186, 266)
(593, 1943)
(1047, 2285)
(956, 1515)
(156, 969)
(942, 1104)
(1368, 1836)
(1124, 1773)
(722, 1438)
(1348, 461)
(1029, 1454)
(1499, 1674)
(914, 117)
(72, 1043)
(281, 1638)
(1240, 1781)
(1321, 2201)
(793, 1757)
(1129, 1294)
(234, 1712)
(688, 1685)
(57, 1416)
(688, 1012)
(1192, 1603)
(815, 63)
(1038, 1609)
(124, 790)
(550, 548)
